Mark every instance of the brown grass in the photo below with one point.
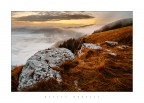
(104, 73)
(121, 35)
(97, 70)
(15, 73)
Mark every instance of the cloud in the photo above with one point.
(49, 17)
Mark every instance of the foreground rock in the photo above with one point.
(39, 65)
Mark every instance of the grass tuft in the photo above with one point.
(15, 73)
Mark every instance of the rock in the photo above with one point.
(122, 47)
(111, 43)
(76, 85)
(89, 46)
(39, 65)
(111, 53)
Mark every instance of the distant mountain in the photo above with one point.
(115, 25)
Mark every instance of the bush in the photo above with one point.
(69, 64)
(72, 44)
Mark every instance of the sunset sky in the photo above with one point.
(65, 18)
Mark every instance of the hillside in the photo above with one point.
(121, 35)
(100, 70)
(115, 25)
(103, 63)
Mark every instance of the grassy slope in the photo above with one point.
(96, 70)
(121, 35)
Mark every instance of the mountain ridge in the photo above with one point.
(115, 25)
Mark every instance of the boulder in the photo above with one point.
(111, 43)
(89, 46)
(39, 65)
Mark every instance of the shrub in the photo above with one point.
(72, 44)
(69, 64)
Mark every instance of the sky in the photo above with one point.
(65, 18)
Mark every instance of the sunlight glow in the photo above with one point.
(72, 22)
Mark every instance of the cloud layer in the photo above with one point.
(48, 17)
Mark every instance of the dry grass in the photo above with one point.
(121, 35)
(98, 72)
(15, 73)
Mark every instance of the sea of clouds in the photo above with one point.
(27, 41)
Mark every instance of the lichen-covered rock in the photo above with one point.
(89, 46)
(111, 43)
(39, 65)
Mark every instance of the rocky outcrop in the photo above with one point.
(89, 46)
(111, 43)
(114, 25)
(97, 47)
(39, 65)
